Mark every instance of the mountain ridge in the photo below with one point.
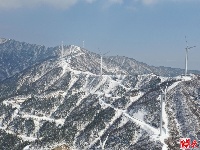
(16, 56)
(58, 100)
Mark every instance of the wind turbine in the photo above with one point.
(161, 101)
(102, 61)
(62, 49)
(163, 94)
(186, 55)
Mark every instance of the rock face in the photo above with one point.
(52, 100)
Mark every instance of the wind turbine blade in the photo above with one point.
(186, 55)
(191, 47)
(186, 41)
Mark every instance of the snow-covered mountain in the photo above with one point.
(47, 100)
(16, 56)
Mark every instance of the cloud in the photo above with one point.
(109, 3)
(149, 2)
(63, 4)
(115, 1)
(90, 1)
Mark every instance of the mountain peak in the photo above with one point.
(53, 98)
(3, 40)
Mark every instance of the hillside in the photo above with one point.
(16, 56)
(53, 101)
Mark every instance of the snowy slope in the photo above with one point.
(16, 56)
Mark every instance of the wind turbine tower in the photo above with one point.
(186, 56)
(62, 49)
(161, 101)
(163, 97)
(102, 62)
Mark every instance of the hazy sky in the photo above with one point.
(151, 31)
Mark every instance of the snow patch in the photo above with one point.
(27, 147)
(140, 115)
(3, 40)
(151, 130)
(165, 131)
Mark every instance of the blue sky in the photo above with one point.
(151, 31)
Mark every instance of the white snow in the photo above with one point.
(57, 121)
(151, 130)
(165, 131)
(173, 85)
(101, 82)
(163, 79)
(27, 147)
(123, 121)
(26, 138)
(145, 126)
(185, 78)
(135, 98)
(12, 102)
(107, 126)
(2, 40)
(16, 101)
(37, 127)
(137, 118)
(140, 115)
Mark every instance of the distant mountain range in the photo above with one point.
(49, 101)
(16, 56)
